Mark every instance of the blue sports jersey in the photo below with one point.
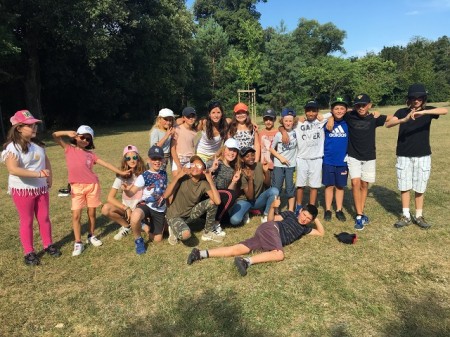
(336, 141)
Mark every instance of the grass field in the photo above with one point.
(390, 283)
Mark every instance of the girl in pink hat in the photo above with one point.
(30, 176)
(85, 187)
(120, 211)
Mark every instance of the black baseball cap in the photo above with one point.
(270, 113)
(339, 100)
(312, 104)
(246, 150)
(361, 99)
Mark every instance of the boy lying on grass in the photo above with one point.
(270, 237)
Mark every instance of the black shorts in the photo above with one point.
(157, 219)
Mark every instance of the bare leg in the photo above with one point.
(356, 190)
(329, 197)
(419, 199)
(299, 199)
(339, 198)
(364, 191)
(76, 225)
(291, 204)
(235, 250)
(115, 214)
(312, 195)
(272, 256)
(91, 218)
(136, 217)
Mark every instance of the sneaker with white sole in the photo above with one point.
(246, 219)
(77, 249)
(92, 239)
(172, 238)
(123, 231)
(211, 236)
(217, 229)
(264, 218)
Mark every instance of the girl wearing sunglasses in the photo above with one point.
(119, 211)
(85, 187)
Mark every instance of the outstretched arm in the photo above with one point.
(112, 167)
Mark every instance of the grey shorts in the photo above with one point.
(266, 238)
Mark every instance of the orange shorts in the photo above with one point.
(85, 195)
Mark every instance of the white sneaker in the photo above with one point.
(77, 249)
(264, 218)
(94, 241)
(172, 238)
(211, 236)
(246, 219)
(217, 229)
(123, 231)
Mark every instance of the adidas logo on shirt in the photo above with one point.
(338, 132)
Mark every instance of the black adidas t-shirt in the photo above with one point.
(414, 135)
(361, 144)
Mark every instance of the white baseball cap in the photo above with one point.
(166, 113)
(232, 143)
(83, 129)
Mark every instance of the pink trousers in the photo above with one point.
(28, 206)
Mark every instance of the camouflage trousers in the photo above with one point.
(179, 225)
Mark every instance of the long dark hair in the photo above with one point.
(15, 137)
(223, 125)
(233, 125)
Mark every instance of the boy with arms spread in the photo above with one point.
(414, 152)
(270, 238)
(188, 189)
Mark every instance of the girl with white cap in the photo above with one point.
(85, 187)
(162, 132)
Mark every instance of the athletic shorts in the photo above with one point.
(334, 175)
(266, 238)
(309, 172)
(365, 170)
(85, 195)
(157, 219)
(413, 173)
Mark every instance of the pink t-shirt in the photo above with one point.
(266, 139)
(185, 143)
(79, 165)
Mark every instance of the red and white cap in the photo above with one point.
(24, 117)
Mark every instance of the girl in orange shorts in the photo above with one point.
(85, 188)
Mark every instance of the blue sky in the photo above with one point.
(369, 24)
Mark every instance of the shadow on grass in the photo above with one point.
(424, 316)
(388, 199)
(208, 314)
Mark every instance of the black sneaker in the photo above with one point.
(31, 259)
(341, 216)
(403, 222)
(241, 265)
(52, 250)
(327, 216)
(420, 221)
(193, 256)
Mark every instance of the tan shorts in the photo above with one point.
(85, 195)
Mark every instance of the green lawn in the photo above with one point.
(390, 283)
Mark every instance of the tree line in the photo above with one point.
(84, 61)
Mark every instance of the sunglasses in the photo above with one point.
(129, 158)
(86, 138)
(198, 165)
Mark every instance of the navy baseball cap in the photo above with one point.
(288, 112)
(246, 150)
(156, 152)
(188, 111)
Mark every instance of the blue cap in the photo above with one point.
(156, 152)
(288, 112)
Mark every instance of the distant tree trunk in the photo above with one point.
(33, 79)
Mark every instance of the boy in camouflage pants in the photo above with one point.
(188, 189)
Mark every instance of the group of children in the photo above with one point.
(231, 171)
